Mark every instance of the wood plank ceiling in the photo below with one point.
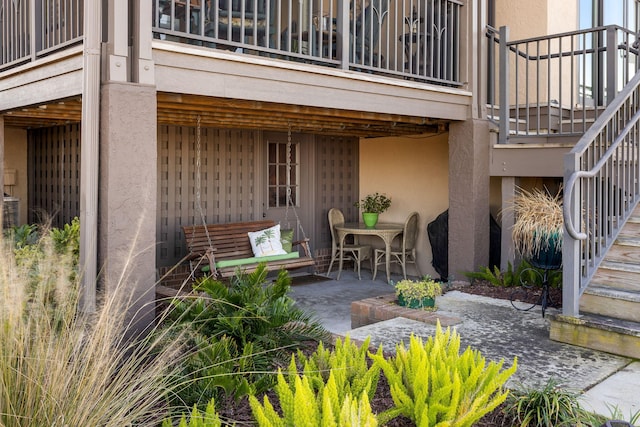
(183, 110)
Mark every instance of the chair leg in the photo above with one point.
(375, 260)
(333, 258)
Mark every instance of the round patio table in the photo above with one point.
(387, 231)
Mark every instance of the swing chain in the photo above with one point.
(198, 184)
(289, 198)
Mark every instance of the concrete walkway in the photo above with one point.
(497, 330)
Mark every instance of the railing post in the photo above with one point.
(503, 135)
(342, 27)
(35, 30)
(571, 259)
(612, 64)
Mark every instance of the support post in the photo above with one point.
(90, 135)
(503, 135)
(469, 217)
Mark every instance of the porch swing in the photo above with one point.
(222, 250)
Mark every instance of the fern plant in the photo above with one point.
(240, 332)
(349, 364)
(524, 273)
(304, 406)
(432, 384)
(197, 419)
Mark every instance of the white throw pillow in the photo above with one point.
(266, 242)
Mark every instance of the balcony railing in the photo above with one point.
(33, 28)
(557, 85)
(415, 39)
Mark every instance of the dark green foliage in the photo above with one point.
(240, 333)
(23, 235)
(548, 407)
(525, 273)
(67, 238)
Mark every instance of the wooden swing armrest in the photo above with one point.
(195, 255)
(304, 243)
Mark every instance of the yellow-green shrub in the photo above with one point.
(197, 419)
(349, 364)
(433, 384)
(302, 406)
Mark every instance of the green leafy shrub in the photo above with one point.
(324, 393)
(23, 235)
(65, 368)
(197, 419)
(304, 406)
(551, 406)
(525, 273)
(239, 333)
(432, 384)
(67, 238)
(349, 364)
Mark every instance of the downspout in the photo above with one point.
(89, 160)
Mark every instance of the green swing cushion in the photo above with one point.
(286, 238)
(243, 261)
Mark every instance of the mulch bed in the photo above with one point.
(240, 411)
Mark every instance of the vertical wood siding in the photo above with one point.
(337, 182)
(54, 174)
(227, 175)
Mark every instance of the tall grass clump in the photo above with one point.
(60, 367)
(538, 217)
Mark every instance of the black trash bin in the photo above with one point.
(438, 231)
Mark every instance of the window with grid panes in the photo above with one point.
(283, 163)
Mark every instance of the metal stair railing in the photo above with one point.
(601, 189)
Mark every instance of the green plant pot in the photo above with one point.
(548, 258)
(416, 303)
(370, 219)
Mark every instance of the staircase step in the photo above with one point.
(621, 337)
(611, 302)
(630, 229)
(625, 250)
(618, 275)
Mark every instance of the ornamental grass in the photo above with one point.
(60, 367)
(538, 216)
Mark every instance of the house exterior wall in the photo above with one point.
(15, 159)
(526, 19)
(413, 172)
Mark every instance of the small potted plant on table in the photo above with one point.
(372, 206)
(418, 293)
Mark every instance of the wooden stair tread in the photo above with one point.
(595, 321)
(613, 293)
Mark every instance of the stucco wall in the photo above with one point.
(534, 19)
(15, 157)
(414, 172)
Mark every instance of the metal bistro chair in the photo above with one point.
(357, 253)
(403, 254)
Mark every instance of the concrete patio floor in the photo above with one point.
(493, 327)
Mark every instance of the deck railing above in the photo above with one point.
(30, 29)
(417, 39)
(557, 85)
